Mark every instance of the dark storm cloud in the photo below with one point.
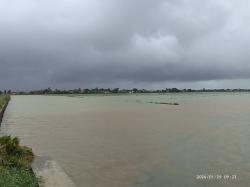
(80, 43)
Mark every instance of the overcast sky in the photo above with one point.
(124, 43)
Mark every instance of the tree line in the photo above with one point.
(117, 90)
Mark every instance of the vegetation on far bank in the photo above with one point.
(112, 91)
(15, 164)
(4, 99)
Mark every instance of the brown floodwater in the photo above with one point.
(125, 141)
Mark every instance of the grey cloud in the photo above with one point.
(62, 43)
(148, 74)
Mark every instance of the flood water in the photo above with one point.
(124, 141)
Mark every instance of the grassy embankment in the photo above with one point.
(15, 164)
(3, 99)
(15, 160)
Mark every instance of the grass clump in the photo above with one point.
(15, 164)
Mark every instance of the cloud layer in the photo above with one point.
(153, 43)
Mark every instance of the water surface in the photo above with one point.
(124, 141)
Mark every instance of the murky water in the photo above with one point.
(123, 141)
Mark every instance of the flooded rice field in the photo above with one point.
(129, 141)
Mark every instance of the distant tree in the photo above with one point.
(86, 90)
(95, 90)
(135, 90)
(47, 91)
(77, 91)
(174, 90)
(115, 90)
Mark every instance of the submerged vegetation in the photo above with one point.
(15, 164)
(164, 103)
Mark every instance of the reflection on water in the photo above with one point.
(116, 141)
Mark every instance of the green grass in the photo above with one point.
(13, 177)
(15, 164)
(4, 99)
